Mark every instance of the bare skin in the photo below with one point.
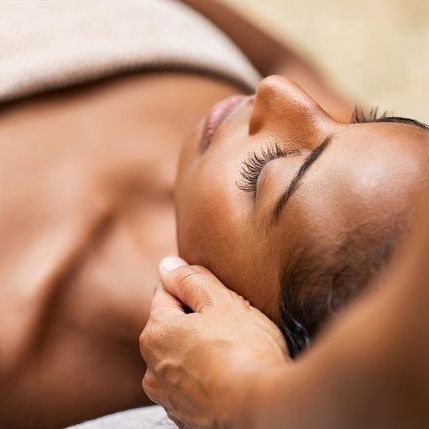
(368, 173)
(95, 168)
(91, 173)
(370, 368)
(87, 178)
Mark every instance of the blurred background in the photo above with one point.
(375, 51)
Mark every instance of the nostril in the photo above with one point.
(257, 120)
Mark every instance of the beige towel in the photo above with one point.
(57, 43)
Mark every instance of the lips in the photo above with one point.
(219, 112)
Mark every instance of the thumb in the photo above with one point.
(193, 285)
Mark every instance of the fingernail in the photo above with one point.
(170, 263)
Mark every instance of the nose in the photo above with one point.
(283, 109)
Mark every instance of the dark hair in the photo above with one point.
(320, 280)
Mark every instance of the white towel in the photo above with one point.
(52, 44)
(139, 418)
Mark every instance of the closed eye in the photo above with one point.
(253, 165)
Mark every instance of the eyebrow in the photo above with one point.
(297, 179)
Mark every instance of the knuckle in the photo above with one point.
(196, 282)
(149, 342)
(157, 315)
(149, 386)
(190, 275)
(142, 342)
(241, 300)
(145, 338)
(146, 382)
(157, 337)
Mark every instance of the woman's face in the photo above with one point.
(266, 175)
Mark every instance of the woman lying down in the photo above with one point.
(292, 201)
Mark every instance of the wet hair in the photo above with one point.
(320, 281)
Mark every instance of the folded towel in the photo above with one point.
(52, 44)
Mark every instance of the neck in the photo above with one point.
(92, 169)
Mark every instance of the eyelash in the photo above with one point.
(252, 166)
(362, 116)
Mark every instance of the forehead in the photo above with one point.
(385, 134)
(376, 157)
(368, 172)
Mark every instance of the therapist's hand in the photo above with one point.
(201, 364)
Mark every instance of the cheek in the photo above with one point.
(205, 207)
(215, 229)
(209, 207)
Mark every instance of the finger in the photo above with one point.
(150, 387)
(194, 286)
(165, 303)
(164, 313)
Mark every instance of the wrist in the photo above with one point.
(249, 394)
